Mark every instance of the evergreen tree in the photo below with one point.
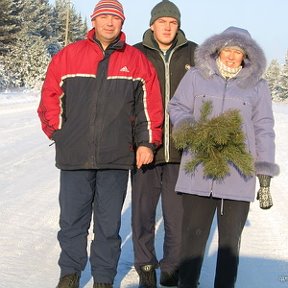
(37, 16)
(58, 25)
(281, 87)
(4, 80)
(76, 28)
(10, 23)
(272, 75)
(27, 61)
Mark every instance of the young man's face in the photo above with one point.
(107, 28)
(165, 30)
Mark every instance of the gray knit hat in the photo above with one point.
(165, 8)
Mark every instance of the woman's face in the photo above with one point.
(231, 57)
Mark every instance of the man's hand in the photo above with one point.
(144, 155)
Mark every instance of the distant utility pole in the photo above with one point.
(67, 22)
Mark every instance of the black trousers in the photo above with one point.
(148, 184)
(197, 220)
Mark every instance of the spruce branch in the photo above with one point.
(216, 143)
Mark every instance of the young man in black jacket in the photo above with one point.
(172, 55)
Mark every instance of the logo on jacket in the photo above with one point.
(124, 69)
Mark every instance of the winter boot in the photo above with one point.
(69, 281)
(169, 279)
(102, 285)
(147, 277)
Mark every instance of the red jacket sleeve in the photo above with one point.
(49, 109)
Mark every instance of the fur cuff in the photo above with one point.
(266, 168)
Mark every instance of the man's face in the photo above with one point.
(165, 30)
(107, 28)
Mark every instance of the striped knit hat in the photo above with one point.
(112, 7)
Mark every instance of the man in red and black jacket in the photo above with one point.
(100, 102)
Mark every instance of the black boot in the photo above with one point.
(169, 279)
(69, 281)
(147, 277)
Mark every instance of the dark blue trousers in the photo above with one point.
(84, 193)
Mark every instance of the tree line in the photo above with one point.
(32, 31)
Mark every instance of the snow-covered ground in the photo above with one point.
(29, 212)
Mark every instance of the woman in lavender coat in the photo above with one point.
(228, 72)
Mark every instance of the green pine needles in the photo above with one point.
(215, 143)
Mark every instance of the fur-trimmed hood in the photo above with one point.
(254, 62)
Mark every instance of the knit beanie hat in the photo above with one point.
(165, 8)
(112, 7)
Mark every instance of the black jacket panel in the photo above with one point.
(170, 71)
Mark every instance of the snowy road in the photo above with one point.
(29, 214)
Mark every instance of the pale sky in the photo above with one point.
(266, 20)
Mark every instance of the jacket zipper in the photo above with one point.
(166, 100)
(97, 132)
